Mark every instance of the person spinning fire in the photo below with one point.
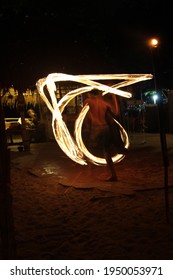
(102, 132)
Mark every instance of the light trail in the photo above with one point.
(75, 148)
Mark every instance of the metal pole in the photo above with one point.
(164, 155)
(161, 117)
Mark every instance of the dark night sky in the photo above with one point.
(41, 37)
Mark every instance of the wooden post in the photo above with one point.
(6, 215)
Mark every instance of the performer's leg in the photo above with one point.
(110, 165)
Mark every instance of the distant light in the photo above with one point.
(154, 42)
(155, 97)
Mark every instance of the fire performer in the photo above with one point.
(102, 131)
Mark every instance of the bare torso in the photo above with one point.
(97, 110)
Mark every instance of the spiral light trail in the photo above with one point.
(74, 148)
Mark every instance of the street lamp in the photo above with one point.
(154, 43)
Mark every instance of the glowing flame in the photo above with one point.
(75, 148)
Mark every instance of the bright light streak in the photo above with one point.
(75, 148)
(89, 156)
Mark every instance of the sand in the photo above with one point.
(63, 211)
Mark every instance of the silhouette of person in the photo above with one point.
(33, 118)
(32, 125)
(101, 129)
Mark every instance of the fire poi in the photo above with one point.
(74, 147)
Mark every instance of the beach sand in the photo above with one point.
(63, 211)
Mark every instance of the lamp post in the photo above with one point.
(154, 43)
